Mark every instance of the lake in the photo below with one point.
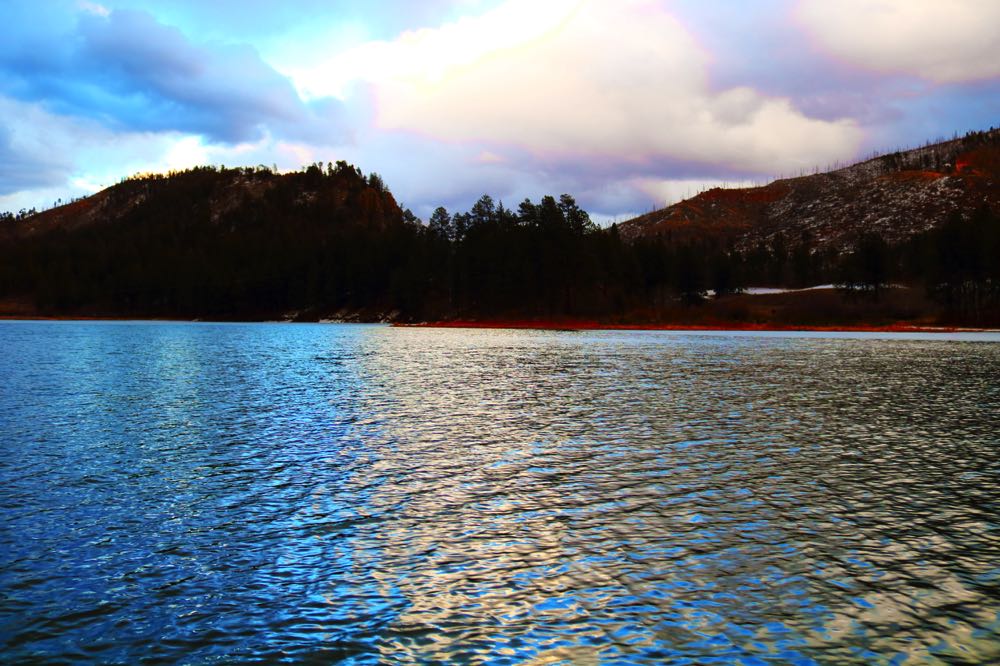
(189, 493)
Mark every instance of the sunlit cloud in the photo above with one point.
(581, 80)
(427, 56)
(944, 42)
(186, 153)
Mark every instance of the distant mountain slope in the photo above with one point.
(896, 195)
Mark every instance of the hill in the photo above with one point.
(897, 196)
(213, 196)
(242, 243)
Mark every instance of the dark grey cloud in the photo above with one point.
(130, 72)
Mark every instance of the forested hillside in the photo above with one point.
(249, 243)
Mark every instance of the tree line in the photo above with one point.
(249, 243)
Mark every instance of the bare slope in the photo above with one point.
(896, 195)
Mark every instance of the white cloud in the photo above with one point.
(945, 42)
(487, 157)
(185, 153)
(567, 80)
(94, 8)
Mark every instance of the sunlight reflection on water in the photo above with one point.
(259, 492)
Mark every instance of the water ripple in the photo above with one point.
(259, 493)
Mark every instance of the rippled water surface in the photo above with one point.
(315, 493)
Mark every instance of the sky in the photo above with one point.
(626, 104)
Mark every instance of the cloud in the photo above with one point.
(20, 169)
(622, 104)
(26, 161)
(582, 80)
(944, 42)
(259, 21)
(132, 73)
(45, 156)
(94, 8)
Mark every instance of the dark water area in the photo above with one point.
(194, 493)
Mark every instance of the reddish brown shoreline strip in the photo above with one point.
(575, 325)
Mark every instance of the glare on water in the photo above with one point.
(190, 492)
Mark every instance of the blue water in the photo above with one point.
(193, 493)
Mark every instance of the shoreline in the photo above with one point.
(548, 325)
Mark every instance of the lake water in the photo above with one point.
(315, 493)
